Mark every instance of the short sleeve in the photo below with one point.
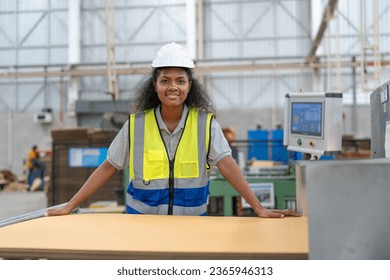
(219, 146)
(118, 152)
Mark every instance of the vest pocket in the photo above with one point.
(188, 169)
(154, 168)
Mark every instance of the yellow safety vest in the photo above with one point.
(159, 184)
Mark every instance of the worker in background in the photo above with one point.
(169, 143)
(36, 169)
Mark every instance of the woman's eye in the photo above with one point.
(181, 82)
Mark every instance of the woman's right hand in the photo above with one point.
(66, 210)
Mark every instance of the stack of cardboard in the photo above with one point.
(82, 134)
(67, 180)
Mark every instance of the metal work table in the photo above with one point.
(120, 236)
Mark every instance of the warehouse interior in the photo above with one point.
(69, 71)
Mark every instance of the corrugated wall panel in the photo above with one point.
(239, 29)
(139, 29)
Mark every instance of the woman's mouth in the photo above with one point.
(172, 96)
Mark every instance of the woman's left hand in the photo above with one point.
(276, 213)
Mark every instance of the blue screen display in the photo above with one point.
(306, 118)
(86, 157)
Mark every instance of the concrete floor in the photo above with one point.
(13, 204)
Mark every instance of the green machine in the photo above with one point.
(274, 186)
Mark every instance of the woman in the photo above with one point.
(168, 144)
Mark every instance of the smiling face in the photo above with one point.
(172, 86)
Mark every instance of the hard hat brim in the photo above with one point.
(172, 65)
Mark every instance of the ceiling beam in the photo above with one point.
(328, 13)
(202, 67)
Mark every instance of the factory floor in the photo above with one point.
(15, 203)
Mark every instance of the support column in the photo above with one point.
(191, 27)
(74, 11)
(354, 102)
(110, 49)
(199, 29)
(10, 129)
(74, 31)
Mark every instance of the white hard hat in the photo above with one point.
(172, 55)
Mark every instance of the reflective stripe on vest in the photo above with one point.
(149, 166)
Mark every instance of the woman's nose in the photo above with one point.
(173, 86)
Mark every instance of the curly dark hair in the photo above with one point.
(146, 97)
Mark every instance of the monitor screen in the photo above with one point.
(306, 118)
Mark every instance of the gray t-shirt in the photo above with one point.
(118, 152)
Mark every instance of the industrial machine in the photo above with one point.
(342, 198)
(380, 122)
(278, 191)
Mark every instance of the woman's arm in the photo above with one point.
(232, 173)
(97, 179)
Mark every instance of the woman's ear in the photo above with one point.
(154, 86)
